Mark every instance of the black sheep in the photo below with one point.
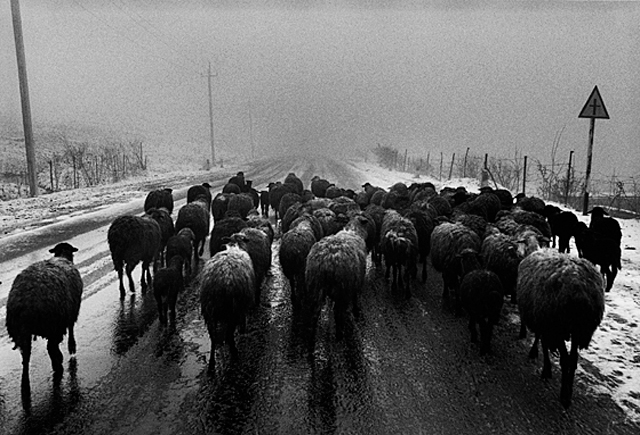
(319, 186)
(482, 297)
(223, 229)
(167, 229)
(159, 198)
(264, 202)
(181, 245)
(601, 250)
(563, 224)
(399, 246)
(44, 301)
(202, 190)
(134, 239)
(296, 184)
(607, 226)
(295, 246)
(168, 283)
(220, 205)
(256, 243)
(195, 215)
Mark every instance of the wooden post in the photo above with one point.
(24, 98)
(464, 165)
(453, 159)
(440, 177)
(404, 166)
(51, 174)
(213, 149)
(566, 191)
(524, 176)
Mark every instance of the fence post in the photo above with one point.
(464, 165)
(404, 167)
(51, 174)
(566, 192)
(524, 176)
(453, 158)
(440, 177)
(74, 182)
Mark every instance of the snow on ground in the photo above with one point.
(614, 351)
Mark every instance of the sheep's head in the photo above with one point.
(64, 250)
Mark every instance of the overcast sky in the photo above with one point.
(494, 77)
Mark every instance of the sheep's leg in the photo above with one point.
(71, 344)
(568, 364)
(25, 385)
(340, 317)
(424, 270)
(161, 317)
(486, 330)
(129, 269)
(120, 276)
(54, 353)
(201, 249)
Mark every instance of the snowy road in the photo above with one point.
(409, 368)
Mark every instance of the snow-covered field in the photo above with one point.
(615, 349)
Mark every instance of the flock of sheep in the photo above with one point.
(486, 246)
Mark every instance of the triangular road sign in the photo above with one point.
(594, 107)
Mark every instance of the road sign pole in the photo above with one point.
(585, 203)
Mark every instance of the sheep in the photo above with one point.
(399, 246)
(327, 219)
(44, 301)
(448, 240)
(133, 239)
(238, 180)
(560, 298)
(242, 203)
(599, 250)
(224, 228)
(505, 197)
(167, 229)
(168, 283)
(563, 224)
(264, 202)
(529, 203)
(159, 198)
(288, 200)
(276, 192)
(195, 215)
(227, 292)
(200, 191)
(295, 246)
(316, 226)
(500, 255)
(482, 296)
(296, 184)
(220, 205)
(424, 227)
(181, 245)
(263, 224)
(441, 205)
(535, 219)
(377, 197)
(256, 243)
(319, 186)
(336, 268)
(607, 226)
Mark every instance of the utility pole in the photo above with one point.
(24, 97)
(253, 151)
(213, 148)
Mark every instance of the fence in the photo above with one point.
(551, 181)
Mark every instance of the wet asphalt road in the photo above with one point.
(407, 368)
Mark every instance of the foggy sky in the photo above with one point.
(496, 78)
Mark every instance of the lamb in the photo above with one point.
(133, 239)
(168, 282)
(44, 301)
(195, 216)
(448, 240)
(560, 298)
(227, 293)
(399, 246)
(599, 250)
(181, 245)
(482, 296)
(256, 244)
(336, 268)
(295, 246)
(562, 224)
(159, 198)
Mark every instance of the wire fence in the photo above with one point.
(552, 181)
